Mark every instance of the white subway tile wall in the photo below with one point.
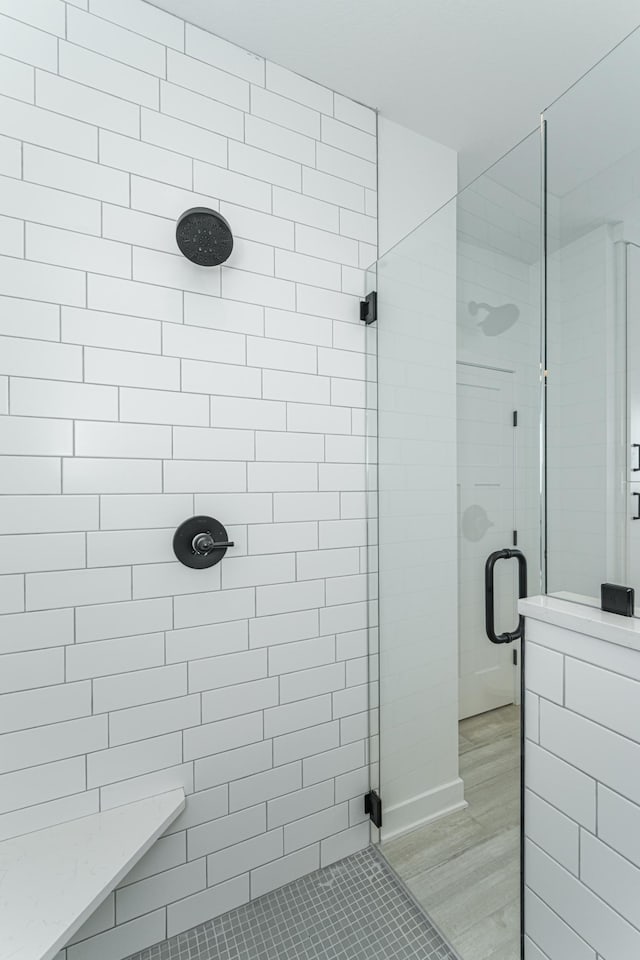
(136, 390)
(582, 821)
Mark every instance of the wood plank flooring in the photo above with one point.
(465, 868)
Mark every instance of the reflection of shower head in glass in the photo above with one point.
(475, 523)
(497, 320)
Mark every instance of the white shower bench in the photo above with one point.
(52, 880)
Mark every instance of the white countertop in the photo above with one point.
(582, 618)
(52, 880)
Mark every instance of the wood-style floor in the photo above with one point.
(465, 868)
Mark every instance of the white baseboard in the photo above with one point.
(420, 810)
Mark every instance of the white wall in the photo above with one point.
(583, 795)
(584, 475)
(139, 390)
(416, 177)
(417, 526)
(417, 509)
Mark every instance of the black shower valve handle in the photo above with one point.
(201, 542)
(204, 543)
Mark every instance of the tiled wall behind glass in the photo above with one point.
(137, 390)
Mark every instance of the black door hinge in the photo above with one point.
(515, 418)
(515, 658)
(373, 808)
(369, 308)
(515, 538)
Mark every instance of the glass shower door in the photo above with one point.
(632, 525)
(458, 391)
(593, 227)
(417, 524)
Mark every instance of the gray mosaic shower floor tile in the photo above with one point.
(352, 910)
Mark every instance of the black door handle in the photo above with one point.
(489, 567)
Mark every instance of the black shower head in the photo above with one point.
(204, 237)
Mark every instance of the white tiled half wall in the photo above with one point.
(583, 797)
(138, 390)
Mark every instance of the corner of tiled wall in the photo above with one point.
(583, 794)
(137, 390)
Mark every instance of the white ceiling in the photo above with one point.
(472, 74)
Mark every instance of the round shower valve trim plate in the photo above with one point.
(204, 237)
(201, 542)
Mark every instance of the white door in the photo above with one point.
(486, 522)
